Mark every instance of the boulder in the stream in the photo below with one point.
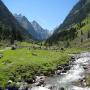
(59, 67)
(50, 87)
(61, 88)
(58, 72)
(24, 86)
(65, 65)
(63, 71)
(40, 80)
(85, 67)
(73, 58)
(67, 68)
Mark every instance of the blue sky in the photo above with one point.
(48, 13)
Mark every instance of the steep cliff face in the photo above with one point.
(10, 29)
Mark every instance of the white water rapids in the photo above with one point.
(68, 80)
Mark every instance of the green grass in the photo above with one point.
(42, 61)
(22, 64)
(24, 43)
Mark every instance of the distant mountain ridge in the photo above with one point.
(10, 29)
(23, 21)
(43, 34)
(37, 32)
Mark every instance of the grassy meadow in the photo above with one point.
(23, 64)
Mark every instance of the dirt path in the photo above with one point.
(7, 48)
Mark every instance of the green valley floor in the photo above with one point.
(23, 64)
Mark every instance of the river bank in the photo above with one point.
(41, 64)
(23, 65)
(73, 79)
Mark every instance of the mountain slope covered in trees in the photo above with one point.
(76, 27)
(9, 27)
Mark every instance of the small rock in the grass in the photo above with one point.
(13, 47)
(34, 54)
